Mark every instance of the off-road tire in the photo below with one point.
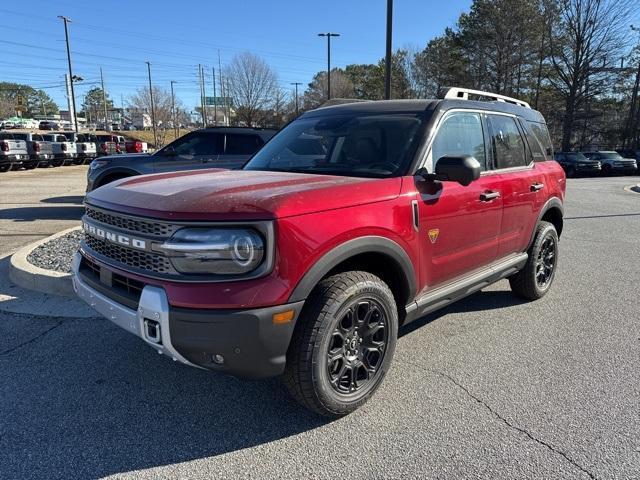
(525, 283)
(307, 374)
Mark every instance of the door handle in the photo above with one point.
(488, 196)
(537, 186)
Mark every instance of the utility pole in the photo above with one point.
(153, 108)
(215, 100)
(202, 114)
(328, 35)
(387, 72)
(204, 96)
(296, 84)
(224, 112)
(73, 96)
(107, 127)
(173, 110)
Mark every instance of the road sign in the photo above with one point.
(218, 101)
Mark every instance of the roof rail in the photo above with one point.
(463, 94)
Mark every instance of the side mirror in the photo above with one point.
(463, 170)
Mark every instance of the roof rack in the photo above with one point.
(463, 94)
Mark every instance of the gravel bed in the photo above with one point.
(58, 253)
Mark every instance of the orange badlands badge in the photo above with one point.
(433, 234)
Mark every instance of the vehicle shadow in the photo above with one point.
(30, 214)
(75, 199)
(87, 400)
(478, 302)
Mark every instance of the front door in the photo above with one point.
(459, 226)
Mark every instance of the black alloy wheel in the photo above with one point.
(357, 346)
(546, 262)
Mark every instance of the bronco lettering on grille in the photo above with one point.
(112, 237)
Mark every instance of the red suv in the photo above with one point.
(354, 220)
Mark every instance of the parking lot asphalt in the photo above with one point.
(490, 387)
(37, 203)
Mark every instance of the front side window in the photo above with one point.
(362, 145)
(460, 135)
(507, 142)
(197, 144)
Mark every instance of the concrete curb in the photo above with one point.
(27, 275)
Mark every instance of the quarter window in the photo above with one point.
(507, 142)
(459, 135)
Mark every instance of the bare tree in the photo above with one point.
(141, 101)
(584, 42)
(252, 85)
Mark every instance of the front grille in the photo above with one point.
(132, 258)
(115, 286)
(144, 227)
(131, 286)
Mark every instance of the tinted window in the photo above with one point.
(37, 138)
(460, 134)
(198, 144)
(238, 144)
(20, 136)
(507, 142)
(537, 152)
(542, 134)
(6, 136)
(351, 144)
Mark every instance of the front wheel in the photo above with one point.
(535, 279)
(343, 344)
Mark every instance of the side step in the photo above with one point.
(444, 295)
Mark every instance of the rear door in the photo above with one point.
(238, 149)
(190, 152)
(522, 182)
(459, 227)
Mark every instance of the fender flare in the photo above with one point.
(351, 248)
(553, 202)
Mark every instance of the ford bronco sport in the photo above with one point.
(354, 220)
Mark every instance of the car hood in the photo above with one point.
(238, 194)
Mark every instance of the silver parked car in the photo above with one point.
(12, 152)
(40, 151)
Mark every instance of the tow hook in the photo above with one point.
(152, 331)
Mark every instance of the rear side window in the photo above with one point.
(507, 142)
(6, 136)
(37, 138)
(242, 144)
(20, 136)
(537, 153)
(460, 134)
(542, 134)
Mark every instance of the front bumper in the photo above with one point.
(248, 342)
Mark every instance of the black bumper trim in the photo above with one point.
(251, 344)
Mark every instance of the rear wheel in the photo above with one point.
(56, 162)
(30, 165)
(5, 167)
(535, 279)
(343, 344)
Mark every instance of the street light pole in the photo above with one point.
(328, 35)
(153, 108)
(104, 102)
(173, 109)
(73, 96)
(296, 84)
(387, 73)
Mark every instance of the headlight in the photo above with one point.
(98, 164)
(223, 251)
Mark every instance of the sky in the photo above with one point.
(121, 35)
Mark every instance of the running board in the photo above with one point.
(444, 295)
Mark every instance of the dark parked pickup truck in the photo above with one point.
(306, 264)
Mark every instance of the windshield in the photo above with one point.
(374, 145)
